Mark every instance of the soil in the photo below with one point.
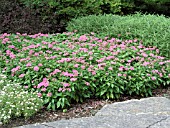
(86, 109)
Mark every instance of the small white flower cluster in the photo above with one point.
(15, 102)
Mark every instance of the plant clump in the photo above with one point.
(69, 67)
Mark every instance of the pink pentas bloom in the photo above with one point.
(75, 71)
(83, 38)
(49, 94)
(144, 55)
(50, 46)
(93, 73)
(160, 74)
(22, 75)
(40, 65)
(91, 58)
(169, 75)
(44, 83)
(121, 68)
(29, 64)
(131, 68)
(8, 52)
(11, 46)
(110, 68)
(153, 78)
(73, 79)
(87, 83)
(124, 75)
(76, 65)
(43, 89)
(39, 94)
(69, 89)
(145, 63)
(83, 67)
(26, 87)
(66, 84)
(89, 69)
(60, 89)
(12, 56)
(36, 54)
(119, 74)
(36, 68)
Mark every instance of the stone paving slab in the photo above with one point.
(145, 113)
(152, 105)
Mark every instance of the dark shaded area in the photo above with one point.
(15, 17)
(160, 7)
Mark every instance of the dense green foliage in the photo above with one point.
(151, 29)
(68, 68)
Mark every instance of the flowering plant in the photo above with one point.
(68, 67)
(15, 101)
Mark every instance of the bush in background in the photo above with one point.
(15, 17)
(152, 6)
(153, 30)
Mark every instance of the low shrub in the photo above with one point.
(153, 30)
(16, 102)
(67, 68)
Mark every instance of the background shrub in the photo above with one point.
(153, 30)
(152, 6)
(16, 17)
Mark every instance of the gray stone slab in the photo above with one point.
(124, 121)
(164, 123)
(145, 113)
(152, 105)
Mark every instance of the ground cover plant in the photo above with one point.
(69, 67)
(153, 30)
(16, 102)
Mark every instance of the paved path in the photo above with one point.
(151, 112)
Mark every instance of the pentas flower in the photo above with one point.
(83, 38)
(29, 64)
(144, 55)
(11, 46)
(40, 65)
(36, 68)
(44, 83)
(93, 73)
(66, 84)
(119, 74)
(8, 52)
(121, 68)
(12, 56)
(39, 94)
(83, 67)
(76, 65)
(145, 63)
(153, 78)
(131, 68)
(110, 68)
(36, 54)
(26, 87)
(43, 89)
(22, 75)
(49, 94)
(87, 83)
(73, 79)
(15, 69)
